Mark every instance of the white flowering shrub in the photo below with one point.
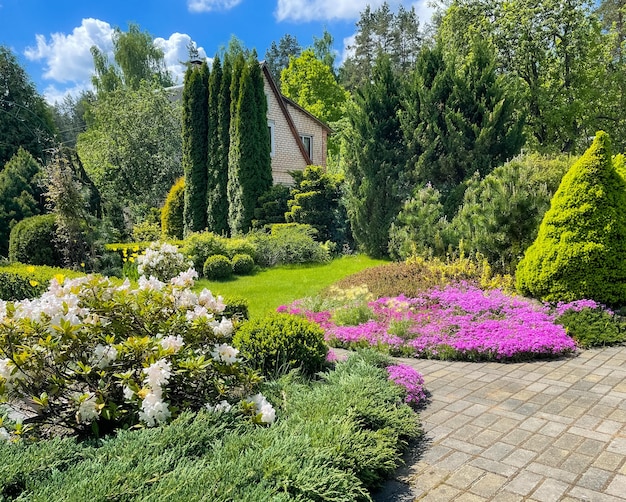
(163, 261)
(91, 355)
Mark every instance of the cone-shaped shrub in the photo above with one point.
(580, 249)
(172, 215)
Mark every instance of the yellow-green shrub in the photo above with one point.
(32, 241)
(172, 224)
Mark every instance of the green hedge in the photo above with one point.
(19, 281)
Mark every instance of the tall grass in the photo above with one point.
(270, 288)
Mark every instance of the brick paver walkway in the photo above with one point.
(541, 431)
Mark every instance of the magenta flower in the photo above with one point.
(410, 379)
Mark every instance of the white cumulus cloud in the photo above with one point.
(326, 10)
(176, 53)
(67, 58)
(209, 5)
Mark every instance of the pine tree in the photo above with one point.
(250, 171)
(579, 251)
(195, 148)
(375, 165)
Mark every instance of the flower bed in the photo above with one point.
(455, 322)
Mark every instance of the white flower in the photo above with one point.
(197, 312)
(225, 327)
(221, 407)
(173, 343)
(6, 369)
(262, 405)
(152, 284)
(158, 374)
(128, 393)
(185, 298)
(154, 410)
(4, 435)
(104, 355)
(207, 299)
(185, 279)
(87, 410)
(225, 353)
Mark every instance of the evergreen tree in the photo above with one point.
(213, 161)
(278, 55)
(375, 164)
(195, 148)
(579, 251)
(250, 169)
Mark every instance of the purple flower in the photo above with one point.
(410, 379)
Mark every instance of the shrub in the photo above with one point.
(288, 243)
(593, 327)
(18, 281)
(279, 343)
(198, 246)
(149, 228)
(271, 207)
(32, 241)
(217, 267)
(240, 245)
(172, 223)
(243, 264)
(236, 308)
(96, 356)
(163, 261)
(579, 251)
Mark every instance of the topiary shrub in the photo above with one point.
(279, 343)
(243, 264)
(200, 245)
(217, 267)
(236, 308)
(593, 327)
(172, 224)
(32, 241)
(579, 251)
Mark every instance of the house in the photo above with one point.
(298, 138)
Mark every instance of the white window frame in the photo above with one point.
(310, 149)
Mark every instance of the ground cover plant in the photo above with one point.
(461, 322)
(334, 439)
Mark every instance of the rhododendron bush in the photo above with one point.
(455, 322)
(90, 354)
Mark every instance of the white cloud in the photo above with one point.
(209, 5)
(54, 94)
(67, 58)
(176, 53)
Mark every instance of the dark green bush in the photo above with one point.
(243, 264)
(198, 246)
(32, 241)
(288, 243)
(236, 307)
(240, 245)
(217, 267)
(579, 251)
(271, 207)
(279, 343)
(172, 223)
(593, 327)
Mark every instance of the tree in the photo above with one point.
(25, 120)
(277, 57)
(217, 178)
(249, 169)
(581, 243)
(21, 193)
(375, 164)
(136, 59)
(311, 84)
(323, 49)
(69, 117)
(132, 149)
(195, 146)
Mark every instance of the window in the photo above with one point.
(270, 126)
(308, 144)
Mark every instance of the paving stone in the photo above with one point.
(498, 451)
(577, 463)
(442, 493)
(488, 485)
(609, 461)
(617, 487)
(493, 466)
(552, 472)
(550, 490)
(552, 456)
(519, 457)
(524, 483)
(594, 479)
(618, 445)
(591, 447)
(505, 496)
(465, 476)
(516, 437)
(453, 461)
(593, 496)
(553, 429)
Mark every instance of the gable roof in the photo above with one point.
(282, 101)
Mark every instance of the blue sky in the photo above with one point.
(52, 37)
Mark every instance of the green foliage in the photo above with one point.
(20, 193)
(249, 161)
(32, 241)
(195, 147)
(172, 214)
(375, 165)
(288, 243)
(217, 267)
(579, 250)
(198, 246)
(271, 207)
(316, 201)
(243, 264)
(277, 56)
(104, 357)
(236, 308)
(19, 281)
(240, 245)
(279, 343)
(593, 327)
(336, 438)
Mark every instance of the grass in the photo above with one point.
(270, 288)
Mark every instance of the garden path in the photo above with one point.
(538, 431)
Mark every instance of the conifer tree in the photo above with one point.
(195, 148)
(579, 251)
(216, 184)
(375, 164)
(250, 171)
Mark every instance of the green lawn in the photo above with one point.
(276, 286)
